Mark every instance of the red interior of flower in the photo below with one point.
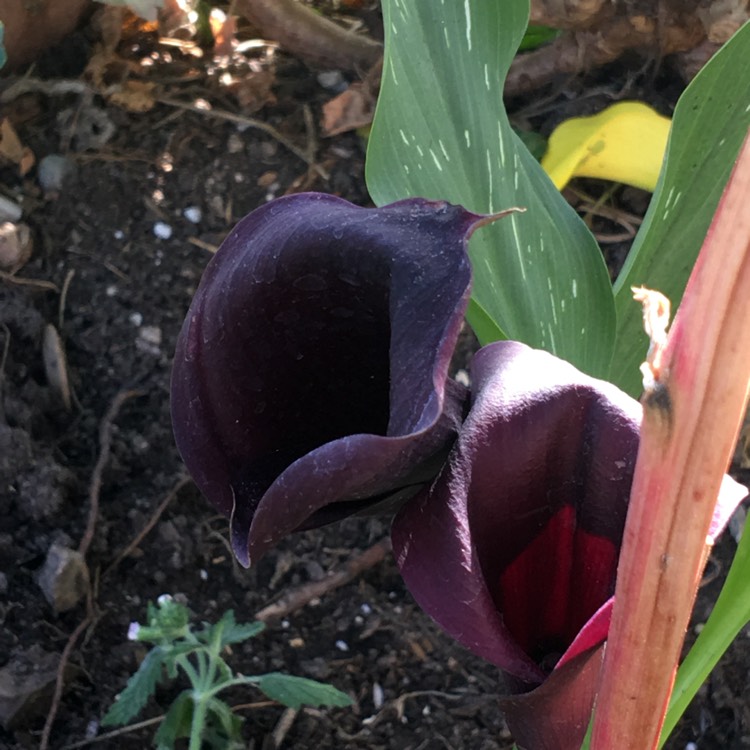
(557, 582)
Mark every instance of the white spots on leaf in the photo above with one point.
(747, 109)
(467, 138)
(467, 12)
(419, 151)
(406, 169)
(517, 240)
(516, 170)
(394, 30)
(487, 76)
(442, 148)
(562, 304)
(393, 74)
(552, 337)
(403, 136)
(501, 143)
(436, 160)
(447, 38)
(549, 284)
(669, 197)
(574, 288)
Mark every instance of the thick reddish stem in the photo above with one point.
(692, 412)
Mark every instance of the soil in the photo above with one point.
(119, 299)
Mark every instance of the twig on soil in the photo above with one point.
(171, 495)
(301, 596)
(105, 441)
(283, 726)
(221, 114)
(115, 733)
(60, 679)
(63, 298)
(151, 722)
(39, 283)
(203, 245)
(6, 349)
(309, 35)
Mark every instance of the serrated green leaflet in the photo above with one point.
(233, 632)
(176, 723)
(298, 691)
(139, 689)
(441, 132)
(709, 125)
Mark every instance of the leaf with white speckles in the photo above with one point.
(441, 131)
(709, 125)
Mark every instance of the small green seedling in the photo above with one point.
(197, 712)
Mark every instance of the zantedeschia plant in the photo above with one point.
(520, 523)
(311, 374)
(310, 378)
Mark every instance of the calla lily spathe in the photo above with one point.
(310, 377)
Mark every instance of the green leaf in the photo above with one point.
(228, 725)
(234, 632)
(176, 723)
(709, 125)
(3, 55)
(139, 689)
(297, 691)
(441, 132)
(536, 36)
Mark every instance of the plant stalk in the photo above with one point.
(693, 405)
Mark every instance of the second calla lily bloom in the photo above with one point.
(310, 377)
(523, 528)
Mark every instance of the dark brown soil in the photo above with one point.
(127, 293)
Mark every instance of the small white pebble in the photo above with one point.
(333, 80)
(133, 629)
(359, 620)
(164, 599)
(136, 318)
(691, 746)
(698, 627)
(111, 290)
(151, 335)
(365, 608)
(118, 234)
(203, 574)
(193, 214)
(162, 230)
(92, 729)
(342, 646)
(285, 624)
(426, 711)
(377, 695)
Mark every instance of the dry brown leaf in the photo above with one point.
(135, 96)
(254, 91)
(12, 150)
(350, 110)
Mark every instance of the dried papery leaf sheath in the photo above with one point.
(705, 370)
(310, 377)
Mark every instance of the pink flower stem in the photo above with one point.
(696, 392)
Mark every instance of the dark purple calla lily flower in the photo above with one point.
(513, 549)
(310, 377)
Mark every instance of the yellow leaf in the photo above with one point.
(623, 143)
